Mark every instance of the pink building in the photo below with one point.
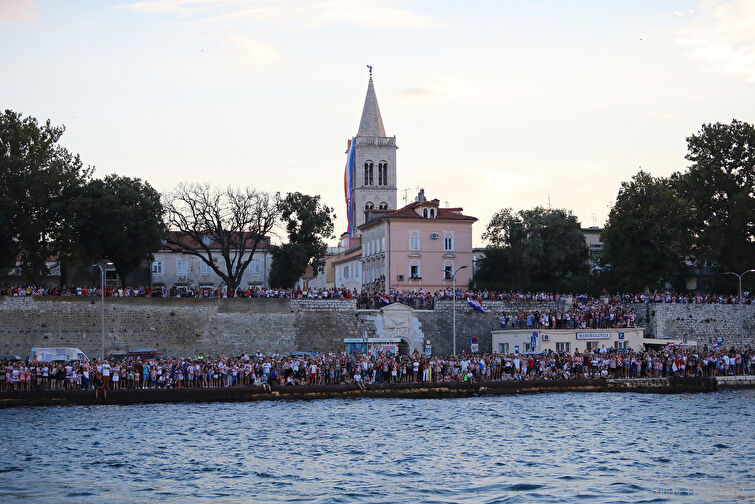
(416, 247)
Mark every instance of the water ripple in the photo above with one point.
(509, 449)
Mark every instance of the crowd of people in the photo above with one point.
(358, 369)
(368, 298)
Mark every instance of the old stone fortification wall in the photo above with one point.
(178, 326)
(699, 322)
(233, 326)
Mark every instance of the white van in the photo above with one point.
(56, 354)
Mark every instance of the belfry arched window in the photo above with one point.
(368, 173)
(383, 206)
(383, 173)
(369, 205)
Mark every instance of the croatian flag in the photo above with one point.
(476, 304)
(385, 299)
(716, 345)
(348, 177)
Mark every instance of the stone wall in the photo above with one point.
(232, 326)
(699, 322)
(178, 326)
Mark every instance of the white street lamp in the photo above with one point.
(453, 279)
(740, 280)
(102, 294)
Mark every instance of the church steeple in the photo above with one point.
(371, 123)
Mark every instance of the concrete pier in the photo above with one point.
(403, 390)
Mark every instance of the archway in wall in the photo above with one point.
(403, 347)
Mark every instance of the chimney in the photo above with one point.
(421, 196)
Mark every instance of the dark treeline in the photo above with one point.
(54, 212)
(660, 231)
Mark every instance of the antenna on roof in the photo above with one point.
(406, 195)
(549, 201)
(594, 220)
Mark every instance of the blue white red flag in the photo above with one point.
(348, 177)
(716, 345)
(476, 304)
(385, 299)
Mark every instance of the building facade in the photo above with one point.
(417, 247)
(173, 268)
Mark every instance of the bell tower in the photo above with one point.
(373, 180)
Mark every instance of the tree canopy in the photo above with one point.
(222, 227)
(120, 219)
(38, 181)
(646, 234)
(719, 192)
(308, 223)
(533, 249)
(660, 227)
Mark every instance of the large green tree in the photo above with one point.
(646, 236)
(308, 223)
(38, 180)
(533, 249)
(120, 219)
(719, 194)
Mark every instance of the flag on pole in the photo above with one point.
(348, 176)
(476, 304)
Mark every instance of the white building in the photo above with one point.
(172, 267)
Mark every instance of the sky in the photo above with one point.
(493, 104)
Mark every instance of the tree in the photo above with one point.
(38, 179)
(646, 236)
(223, 228)
(120, 218)
(719, 192)
(533, 249)
(308, 224)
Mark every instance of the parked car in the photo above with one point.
(56, 354)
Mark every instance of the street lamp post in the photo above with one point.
(740, 279)
(102, 294)
(453, 282)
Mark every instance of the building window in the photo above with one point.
(448, 270)
(413, 240)
(414, 271)
(448, 241)
(383, 206)
(157, 268)
(254, 266)
(591, 345)
(207, 240)
(346, 272)
(204, 268)
(563, 346)
(369, 205)
(368, 173)
(383, 173)
(619, 345)
(503, 348)
(424, 213)
(432, 213)
(182, 267)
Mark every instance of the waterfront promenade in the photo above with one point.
(670, 385)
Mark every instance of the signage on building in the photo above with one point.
(593, 335)
(621, 335)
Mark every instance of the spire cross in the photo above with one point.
(370, 67)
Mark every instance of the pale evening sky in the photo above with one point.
(494, 104)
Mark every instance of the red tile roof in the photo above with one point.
(189, 242)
